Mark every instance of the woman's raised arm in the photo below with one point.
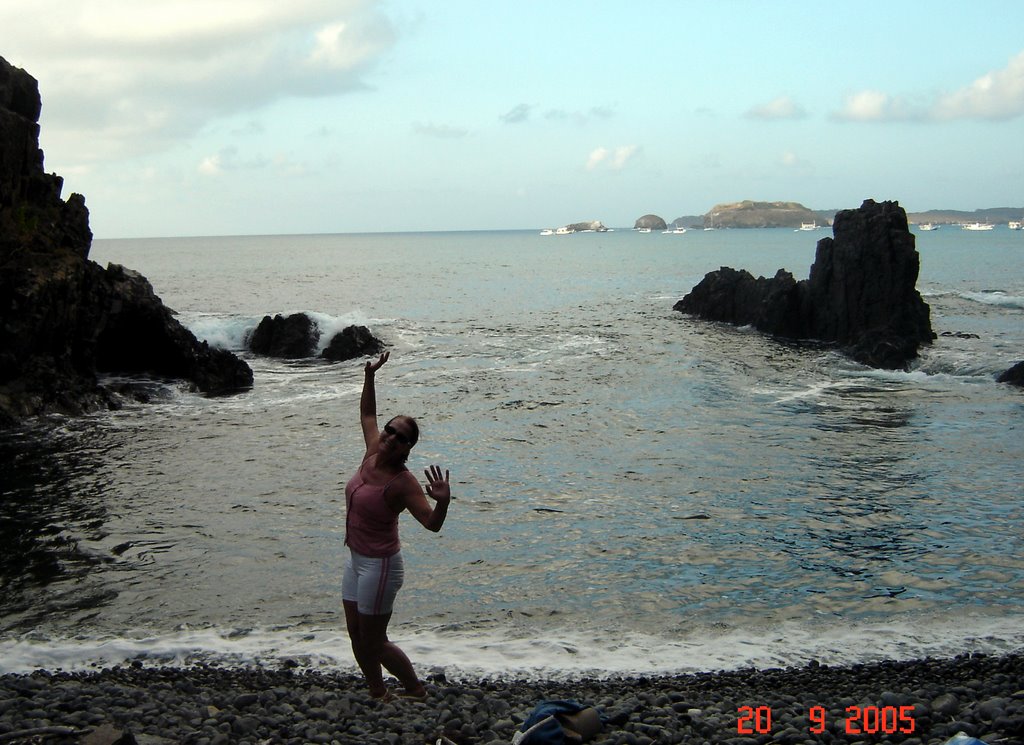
(368, 403)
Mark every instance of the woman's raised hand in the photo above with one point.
(372, 367)
(438, 488)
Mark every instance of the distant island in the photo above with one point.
(588, 226)
(752, 214)
(991, 215)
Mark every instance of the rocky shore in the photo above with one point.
(920, 702)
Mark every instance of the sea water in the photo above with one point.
(635, 491)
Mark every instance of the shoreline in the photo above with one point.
(920, 702)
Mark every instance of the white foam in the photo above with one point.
(997, 298)
(559, 653)
(222, 332)
(330, 325)
(232, 331)
(814, 390)
(933, 367)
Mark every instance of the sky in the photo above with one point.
(255, 117)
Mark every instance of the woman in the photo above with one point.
(375, 496)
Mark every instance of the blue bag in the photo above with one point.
(962, 738)
(558, 723)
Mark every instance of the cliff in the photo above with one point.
(64, 320)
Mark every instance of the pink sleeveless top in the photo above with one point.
(371, 527)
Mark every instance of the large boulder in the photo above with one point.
(291, 337)
(63, 318)
(296, 336)
(352, 342)
(1013, 376)
(735, 296)
(861, 294)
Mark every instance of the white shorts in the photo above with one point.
(373, 583)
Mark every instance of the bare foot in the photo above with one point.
(419, 693)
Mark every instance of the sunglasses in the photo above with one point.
(389, 430)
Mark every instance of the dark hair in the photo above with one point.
(414, 428)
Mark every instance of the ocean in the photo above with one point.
(636, 491)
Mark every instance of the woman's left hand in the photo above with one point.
(438, 488)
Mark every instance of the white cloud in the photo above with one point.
(792, 160)
(345, 45)
(995, 96)
(210, 166)
(228, 160)
(623, 155)
(782, 107)
(121, 77)
(596, 157)
(873, 106)
(616, 159)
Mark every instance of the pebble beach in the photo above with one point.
(918, 702)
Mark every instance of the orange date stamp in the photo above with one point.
(858, 720)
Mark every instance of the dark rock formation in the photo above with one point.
(138, 334)
(352, 342)
(650, 221)
(296, 337)
(290, 337)
(861, 294)
(63, 318)
(1013, 376)
(735, 296)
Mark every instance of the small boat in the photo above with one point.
(809, 225)
(643, 230)
(679, 230)
(564, 230)
(1015, 224)
(927, 226)
(978, 226)
(547, 231)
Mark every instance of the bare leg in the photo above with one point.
(368, 664)
(372, 649)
